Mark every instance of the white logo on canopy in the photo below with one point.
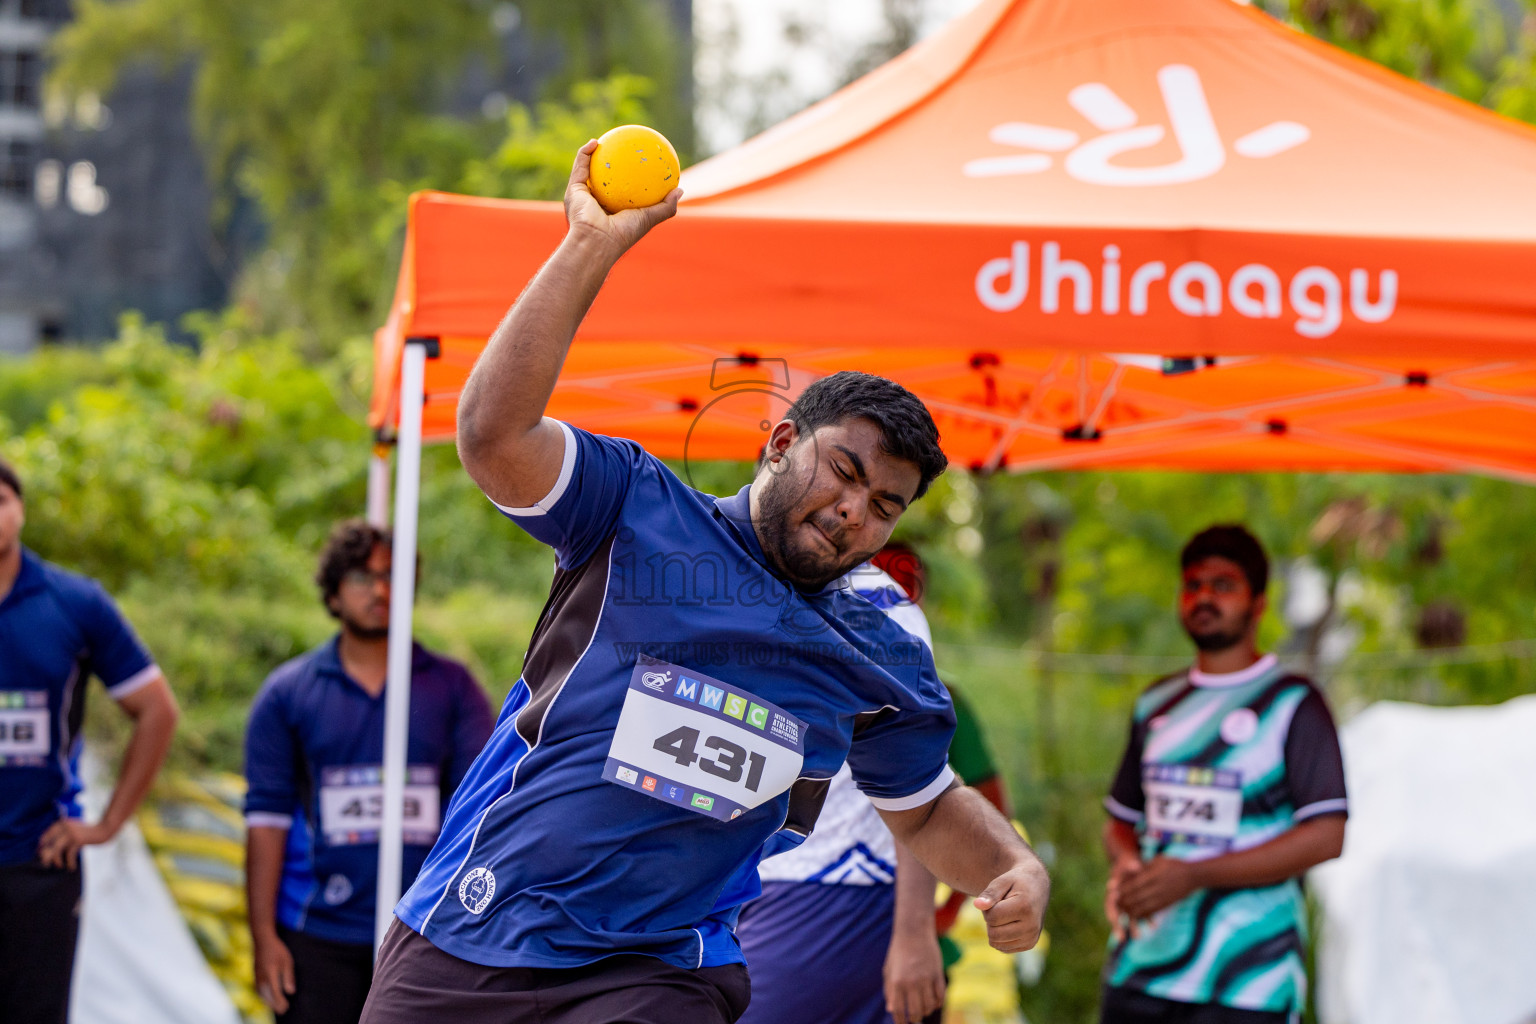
(1201, 152)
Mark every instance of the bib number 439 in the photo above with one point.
(682, 745)
(371, 807)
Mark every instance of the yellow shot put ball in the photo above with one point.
(633, 166)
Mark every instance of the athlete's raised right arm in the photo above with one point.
(505, 443)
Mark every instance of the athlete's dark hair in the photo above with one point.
(349, 547)
(906, 429)
(1235, 544)
(9, 478)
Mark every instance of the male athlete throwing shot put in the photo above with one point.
(699, 673)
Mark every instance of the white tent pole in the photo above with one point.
(378, 486)
(397, 686)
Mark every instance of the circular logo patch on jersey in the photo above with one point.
(476, 889)
(338, 889)
(1239, 726)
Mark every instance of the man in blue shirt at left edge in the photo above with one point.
(58, 629)
(700, 672)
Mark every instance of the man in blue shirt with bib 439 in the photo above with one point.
(56, 631)
(314, 747)
(700, 672)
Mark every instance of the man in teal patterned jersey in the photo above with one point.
(1232, 786)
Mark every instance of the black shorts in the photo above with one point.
(415, 981)
(39, 922)
(1127, 1006)
(330, 979)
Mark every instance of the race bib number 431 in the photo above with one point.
(694, 741)
(1193, 804)
(24, 732)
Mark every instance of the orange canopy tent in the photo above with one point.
(1088, 233)
(1019, 218)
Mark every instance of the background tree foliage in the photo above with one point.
(325, 112)
(198, 484)
(1481, 50)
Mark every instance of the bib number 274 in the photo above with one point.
(682, 745)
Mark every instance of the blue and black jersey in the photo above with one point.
(1218, 764)
(681, 708)
(314, 751)
(57, 630)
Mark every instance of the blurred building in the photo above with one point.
(25, 26)
(124, 214)
(106, 207)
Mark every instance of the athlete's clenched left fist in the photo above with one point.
(1014, 905)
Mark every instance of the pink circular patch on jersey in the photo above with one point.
(1239, 726)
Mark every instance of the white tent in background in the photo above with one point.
(1428, 915)
(137, 963)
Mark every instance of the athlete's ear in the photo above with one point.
(1260, 605)
(785, 434)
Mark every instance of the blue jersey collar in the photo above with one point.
(28, 579)
(328, 662)
(737, 511)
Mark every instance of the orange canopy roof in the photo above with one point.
(1130, 233)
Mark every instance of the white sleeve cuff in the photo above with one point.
(140, 679)
(1118, 810)
(1338, 806)
(266, 819)
(567, 467)
(926, 795)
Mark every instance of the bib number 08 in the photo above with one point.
(18, 732)
(682, 744)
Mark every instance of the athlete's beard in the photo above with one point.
(361, 632)
(1218, 639)
(802, 568)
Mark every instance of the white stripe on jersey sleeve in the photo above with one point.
(1336, 806)
(567, 467)
(266, 819)
(136, 682)
(1117, 809)
(926, 795)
